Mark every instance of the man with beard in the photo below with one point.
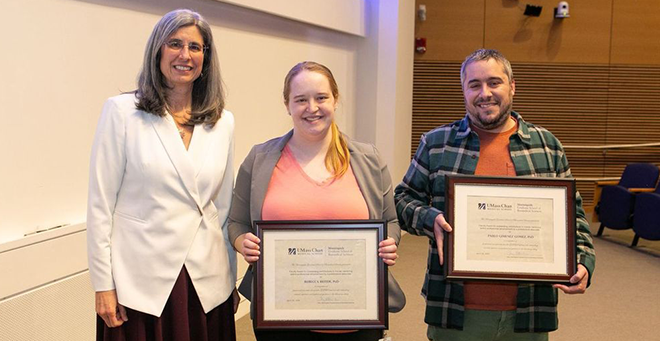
(491, 140)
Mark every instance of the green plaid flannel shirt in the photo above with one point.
(454, 149)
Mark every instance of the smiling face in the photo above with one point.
(311, 105)
(182, 67)
(488, 94)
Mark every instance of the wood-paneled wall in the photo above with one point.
(635, 32)
(453, 29)
(597, 31)
(584, 105)
(592, 79)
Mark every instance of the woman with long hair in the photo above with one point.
(160, 188)
(314, 172)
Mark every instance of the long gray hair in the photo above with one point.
(208, 98)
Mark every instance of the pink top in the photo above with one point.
(293, 195)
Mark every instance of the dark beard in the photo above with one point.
(490, 125)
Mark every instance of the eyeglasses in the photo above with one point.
(177, 45)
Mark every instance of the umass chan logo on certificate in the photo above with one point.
(340, 250)
(489, 206)
(306, 251)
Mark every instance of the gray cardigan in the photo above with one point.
(370, 171)
(372, 177)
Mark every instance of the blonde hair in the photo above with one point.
(338, 156)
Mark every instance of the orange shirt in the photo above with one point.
(494, 160)
(293, 195)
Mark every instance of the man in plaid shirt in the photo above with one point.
(491, 140)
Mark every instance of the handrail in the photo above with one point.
(597, 179)
(615, 146)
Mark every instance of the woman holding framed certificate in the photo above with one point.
(314, 172)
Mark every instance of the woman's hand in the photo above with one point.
(387, 251)
(248, 245)
(113, 313)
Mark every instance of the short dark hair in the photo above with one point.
(486, 54)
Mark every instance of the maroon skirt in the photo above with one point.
(183, 319)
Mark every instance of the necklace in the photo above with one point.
(179, 126)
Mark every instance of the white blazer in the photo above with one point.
(154, 207)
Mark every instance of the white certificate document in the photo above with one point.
(320, 275)
(510, 229)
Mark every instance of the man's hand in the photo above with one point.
(112, 313)
(579, 282)
(440, 226)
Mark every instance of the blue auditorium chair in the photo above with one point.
(646, 217)
(618, 201)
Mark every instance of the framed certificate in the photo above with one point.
(510, 228)
(321, 275)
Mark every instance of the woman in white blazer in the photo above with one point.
(160, 189)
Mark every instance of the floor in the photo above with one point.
(623, 302)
